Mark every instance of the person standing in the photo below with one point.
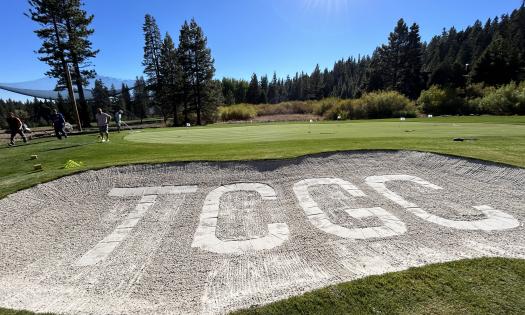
(15, 127)
(102, 122)
(118, 119)
(59, 123)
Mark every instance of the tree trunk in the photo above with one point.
(175, 116)
(66, 73)
(199, 104)
(185, 112)
(84, 113)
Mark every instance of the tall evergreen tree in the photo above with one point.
(197, 71)
(64, 30)
(140, 99)
(273, 90)
(241, 91)
(80, 50)
(412, 82)
(203, 72)
(316, 84)
(152, 47)
(185, 59)
(101, 96)
(113, 98)
(170, 78)
(263, 98)
(228, 90)
(254, 90)
(125, 98)
(499, 64)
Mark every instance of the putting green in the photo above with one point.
(319, 131)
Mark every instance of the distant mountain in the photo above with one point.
(50, 83)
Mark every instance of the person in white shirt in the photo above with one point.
(103, 122)
(118, 119)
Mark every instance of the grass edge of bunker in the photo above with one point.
(506, 148)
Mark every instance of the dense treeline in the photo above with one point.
(345, 80)
(492, 53)
(33, 113)
(135, 104)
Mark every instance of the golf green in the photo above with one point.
(320, 131)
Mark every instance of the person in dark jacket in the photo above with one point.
(15, 127)
(59, 123)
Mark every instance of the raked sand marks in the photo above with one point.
(213, 237)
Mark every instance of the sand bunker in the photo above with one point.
(213, 237)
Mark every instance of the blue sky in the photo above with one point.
(245, 36)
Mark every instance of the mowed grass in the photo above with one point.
(498, 139)
(484, 286)
(327, 131)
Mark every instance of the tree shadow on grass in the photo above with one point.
(68, 147)
(6, 147)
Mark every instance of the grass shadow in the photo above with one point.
(68, 147)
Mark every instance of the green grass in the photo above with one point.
(499, 139)
(482, 286)
(326, 131)
(479, 286)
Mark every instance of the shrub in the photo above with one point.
(237, 112)
(285, 108)
(442, 101)
(386, 104)
(323, 106)
(506, 100)
(342, 109)
(375, 105)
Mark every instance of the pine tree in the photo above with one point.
(185, 59)
(263, 97)
(273, 90)
(241, 92)
(170, 78)
(316, 84)
(64, 31)
(80, 50)
(101, 96)
(152, 47)
(125, 98)
(140, 99)
(397, 66)
(61, 106)
(396, 56)
(254, 90)
(228, 90)
(197, 71)
(203, 72)
(499, 64)
(412, 82)
(114, 99)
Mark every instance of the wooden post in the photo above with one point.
(72, 96)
